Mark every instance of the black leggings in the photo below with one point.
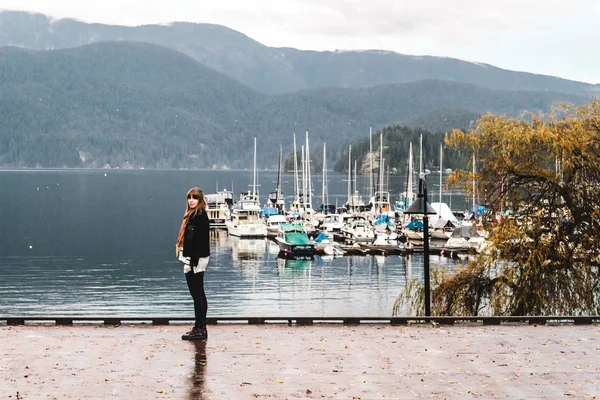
(195, 283)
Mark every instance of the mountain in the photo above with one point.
(277, 70)
(142, 105)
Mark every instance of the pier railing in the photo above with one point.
(164, 320)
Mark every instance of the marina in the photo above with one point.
(100, 242)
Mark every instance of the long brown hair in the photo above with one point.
(196, 193)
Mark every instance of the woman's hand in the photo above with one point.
(177, 248)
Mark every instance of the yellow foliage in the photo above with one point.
(540, 178)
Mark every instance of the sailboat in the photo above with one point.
(302, 204)
(246, 220)
(408, 196)
(354, 204)
(381, 203)
(276, 198)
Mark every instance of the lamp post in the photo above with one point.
(420, 206)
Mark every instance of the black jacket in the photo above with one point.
(196, 240)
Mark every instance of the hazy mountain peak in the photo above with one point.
(277, 70)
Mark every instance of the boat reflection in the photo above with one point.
(273, 248)
(295, 264)
(219, 238)
(248, 254)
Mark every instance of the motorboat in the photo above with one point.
(274, 224)
(246, 220)
(357, 230)
(292, 239)
(217, 208)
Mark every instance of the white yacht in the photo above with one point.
(274, 224)
(217, 208)
(332, 222)
(246, 219)
(357, 230)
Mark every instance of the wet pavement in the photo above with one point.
(307, 362)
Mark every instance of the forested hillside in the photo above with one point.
(396, 145)
(140, 105)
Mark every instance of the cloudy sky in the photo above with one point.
(554, 37)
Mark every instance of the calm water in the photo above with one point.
(102, 243)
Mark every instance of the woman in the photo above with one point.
(193, 248)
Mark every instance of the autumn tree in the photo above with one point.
(539, 177)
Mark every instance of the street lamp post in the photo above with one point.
(420, 206)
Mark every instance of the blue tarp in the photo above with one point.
(479, 210)
(320, 237)
(384, 219)
(268, 211)
(415, 224)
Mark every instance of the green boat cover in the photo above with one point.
(297, 238)
(291, 227)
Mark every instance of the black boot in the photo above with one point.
(197, 333)
(203, 331)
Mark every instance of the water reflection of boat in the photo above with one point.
(219, 237)
(294, 263)
(272, 247)
(297, 257)
(247, 249)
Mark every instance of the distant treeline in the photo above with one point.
(396, 145)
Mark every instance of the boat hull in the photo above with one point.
(216, 223)
(246, 230)
(357, 237)
(289, 248)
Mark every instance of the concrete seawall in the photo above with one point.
(370, 361)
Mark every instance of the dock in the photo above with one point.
(323, 360)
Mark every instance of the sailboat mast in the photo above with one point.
(295, 171)
(324, 177)
(309, 193)
(410, 173)
(380, 165)
(387, 178)
(421, 157)
(303, 176)
(474, 211)
(279, 177)
(254, 173)
(349, 174)
(370, 163)
(441, 159)
(355, 176)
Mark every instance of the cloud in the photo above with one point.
(515, 34)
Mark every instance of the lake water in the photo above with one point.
(101, 242)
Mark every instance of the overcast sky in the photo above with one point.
(554, 37)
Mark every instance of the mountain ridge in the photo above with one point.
(273, 70)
